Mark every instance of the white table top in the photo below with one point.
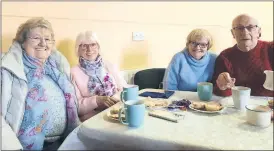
(226, 131)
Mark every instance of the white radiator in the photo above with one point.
(128, 75)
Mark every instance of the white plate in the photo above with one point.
(210, 112)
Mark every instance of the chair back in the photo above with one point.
(150, 78)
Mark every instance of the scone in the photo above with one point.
(150, 102)
(116, 116)
(213, 107)
(199, 105)
(161, 103)
(115, 110)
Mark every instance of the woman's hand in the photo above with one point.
(106, 100)
(224, 81)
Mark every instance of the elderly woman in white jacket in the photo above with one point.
(39, 105)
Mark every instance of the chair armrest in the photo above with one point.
(161, 85)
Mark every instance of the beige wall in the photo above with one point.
(165, 25)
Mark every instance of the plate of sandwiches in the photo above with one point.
(206, 107)
(156, 102)
(113, 113)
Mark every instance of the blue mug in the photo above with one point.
(135, 113)
(205, 90)
(130, 93)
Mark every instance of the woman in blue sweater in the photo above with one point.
(193, 64)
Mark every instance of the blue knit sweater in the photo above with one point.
(184, 71)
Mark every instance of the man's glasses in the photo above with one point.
(86, 46)
(38, 40)
(202, 45)
(249, 28)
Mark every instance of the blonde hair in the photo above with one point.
(199, 33)
(84, 37)
(24, 29)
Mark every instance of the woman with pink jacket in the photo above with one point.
(95, 80)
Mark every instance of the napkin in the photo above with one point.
(165, 115)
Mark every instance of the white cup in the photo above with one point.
(241, 96)
(258, 115)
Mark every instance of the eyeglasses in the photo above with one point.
(249, 28)
(195, 44)
(86, 46)
(37, 40)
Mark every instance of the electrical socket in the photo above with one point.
(138, 36)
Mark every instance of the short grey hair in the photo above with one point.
(246, 16)
(24, 29)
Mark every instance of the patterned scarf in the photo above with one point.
(31, 133)
(100, 82)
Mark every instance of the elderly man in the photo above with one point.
(244, 63)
